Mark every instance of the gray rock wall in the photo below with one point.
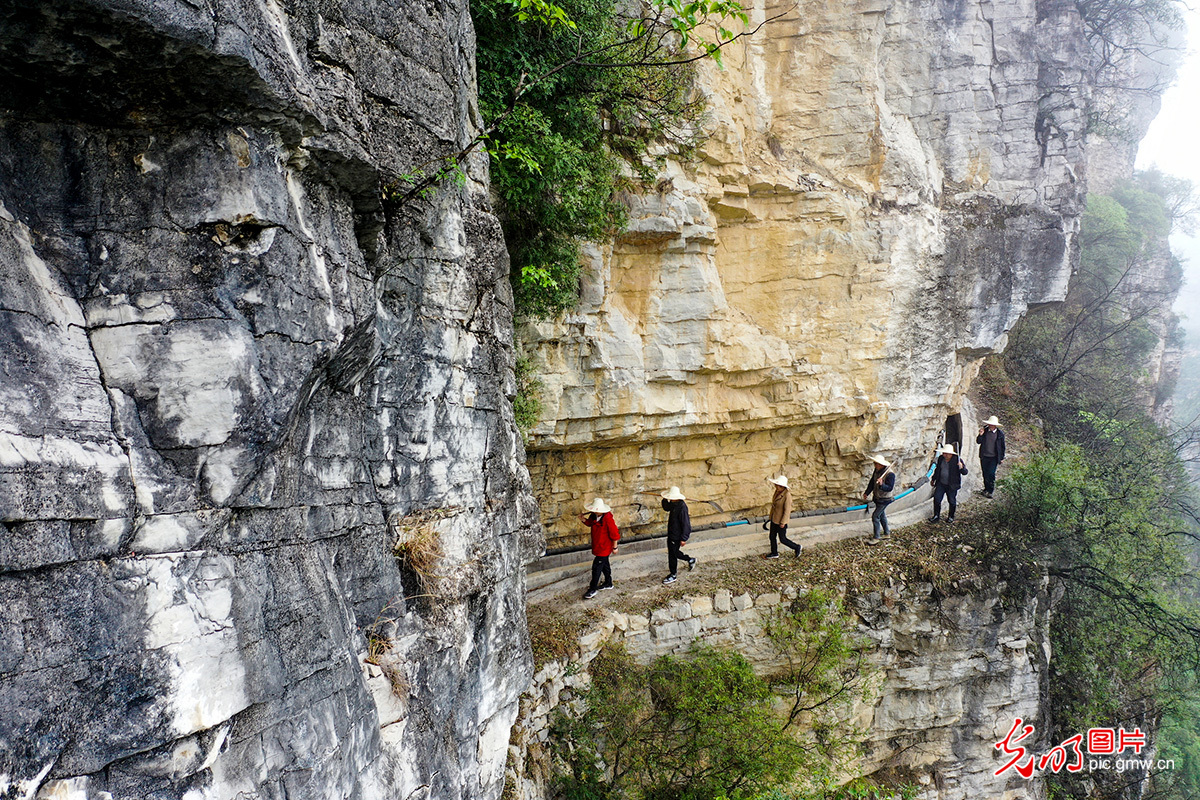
(230, 381)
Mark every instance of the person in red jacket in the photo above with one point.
(604, 543)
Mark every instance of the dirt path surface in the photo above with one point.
(637, 569)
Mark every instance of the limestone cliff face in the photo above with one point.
(947, 678)
(231, 383)
(886, 188)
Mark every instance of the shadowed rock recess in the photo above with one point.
(233, 386)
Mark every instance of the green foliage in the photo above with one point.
(685, 17)
(705, 727)
(542, 12)
(575, 92)
(697, 727)
(527, 405)
(1104, 521)
(1179, 740)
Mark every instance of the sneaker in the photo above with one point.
(949, 520)
(589, 594)
(669, 579)
(606, 587)
(797, 551)
(935, 518)
(691, 564)
(988, 495)
(871, 540)
(771, 555)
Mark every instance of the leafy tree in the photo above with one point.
(705, 727)
(1069, 356)
(698, 727)
(1104, 522)
(824, 662)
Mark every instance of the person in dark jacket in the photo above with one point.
(605, 536)
(679, 530)
(781, 512)
(880, 488)
(991, 452)
(946, 480)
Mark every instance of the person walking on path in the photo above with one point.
(946, 480)
(880, 488)
(604, 543)
(781, 512)
(679, 530)
(991, 452)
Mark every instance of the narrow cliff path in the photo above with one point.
(638, 567)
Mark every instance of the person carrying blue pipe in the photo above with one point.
(946, 481)
(880, 489)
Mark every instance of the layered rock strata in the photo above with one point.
(885, 188)
(947, 676)
(264, 514)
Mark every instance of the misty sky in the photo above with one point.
(1173, 145)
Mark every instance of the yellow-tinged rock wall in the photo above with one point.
(883, 190)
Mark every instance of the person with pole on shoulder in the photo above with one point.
(946, 481)
(781, 512)
(605, 536)
(880, 489)
(679, 530)
(991, 452)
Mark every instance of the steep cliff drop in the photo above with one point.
(885, 189)
(263, 502)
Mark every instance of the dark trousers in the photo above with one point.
(879, 518)
(779, 532)
(674, 554)
(600, 567)
(987, 465)
(951, 496)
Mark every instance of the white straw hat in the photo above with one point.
(881, 461)
(598, 506)
(992, 421)
(949, 448)
(779, 481)
(673, 494)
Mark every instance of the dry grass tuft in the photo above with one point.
(554, 631)
(378, 648)
(417, 545)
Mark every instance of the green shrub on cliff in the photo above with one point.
(574, 93)
(694, 727)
